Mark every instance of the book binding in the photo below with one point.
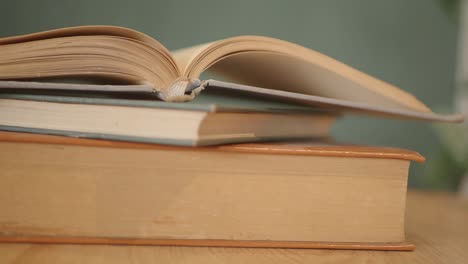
(182, 90)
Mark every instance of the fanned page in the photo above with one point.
(102, 52)
(300, 75)
(280, 65)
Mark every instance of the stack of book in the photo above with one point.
(108, 138)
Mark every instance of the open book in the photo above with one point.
(259, 66)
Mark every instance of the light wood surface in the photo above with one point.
(436, 222)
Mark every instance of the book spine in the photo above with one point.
(182, 90)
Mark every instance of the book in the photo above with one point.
(117, 59)
(302, 195)
(196, 123)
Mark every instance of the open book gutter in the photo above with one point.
(282, 96)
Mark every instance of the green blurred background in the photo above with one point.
(411, 44)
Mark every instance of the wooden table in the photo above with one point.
(436, 222)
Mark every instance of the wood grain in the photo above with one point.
(303, 148)
(436, 222)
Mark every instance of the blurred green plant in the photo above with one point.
(451, 7)
(450, 166)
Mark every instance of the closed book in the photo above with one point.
(208, 120)
(300, 195)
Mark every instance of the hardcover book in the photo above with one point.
(299, 195)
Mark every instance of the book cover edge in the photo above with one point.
(399, 246)
(283, 148)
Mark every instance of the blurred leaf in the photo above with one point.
(444, 173)
(454, 138)
(451, 7)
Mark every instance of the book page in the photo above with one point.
(280, 65)
(107, 52)
(86, 31)
(185, 57)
